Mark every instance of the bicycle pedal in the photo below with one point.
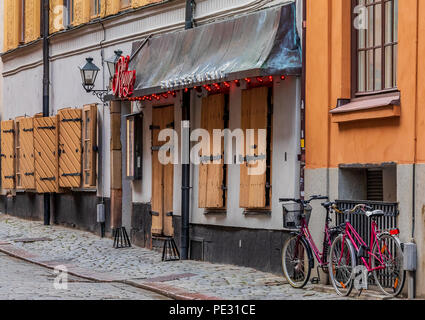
(315, 280)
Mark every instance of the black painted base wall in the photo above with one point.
(75, 210)
(255, 248)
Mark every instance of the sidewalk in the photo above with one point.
(89, 256)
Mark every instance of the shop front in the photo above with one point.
(222, 99)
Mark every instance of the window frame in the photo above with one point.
(355, 93)
(126, 6)
(22, 22)
(95, 8)
(134, 149)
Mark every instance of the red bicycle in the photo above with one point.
(298, 250)
(383, 257)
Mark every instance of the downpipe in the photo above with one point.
(46, 93)
(185, 207)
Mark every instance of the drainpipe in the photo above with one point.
(303, 85)
(186, 158)
(46, 80)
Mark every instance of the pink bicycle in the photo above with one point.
(298, 250)
(383, 257)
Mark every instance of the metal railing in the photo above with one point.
(361, 223)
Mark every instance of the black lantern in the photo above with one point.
(112, 61)
(88, 74)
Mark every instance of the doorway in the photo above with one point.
(126, 183)
(162, 175)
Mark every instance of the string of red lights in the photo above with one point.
(215, 87)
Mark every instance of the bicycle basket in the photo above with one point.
(293, 213)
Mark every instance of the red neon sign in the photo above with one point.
(124, 80)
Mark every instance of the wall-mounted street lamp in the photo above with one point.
(89, 74)
(112, 61)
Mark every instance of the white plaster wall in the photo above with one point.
(285, 174)
(23, 95)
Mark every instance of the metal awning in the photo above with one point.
(259, 44)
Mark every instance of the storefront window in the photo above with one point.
(134, 147)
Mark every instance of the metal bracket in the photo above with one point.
(72, 120)
(71, 174)
(10, 177)
(152, 127)
(9, 131)
(154, 213)
(29, 174)
(48, 179)
(28, 130)
(210, 158)
(47, 128)
(100, 94)
(169, 214)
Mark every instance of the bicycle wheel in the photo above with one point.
(391, 279)
(295, 262)
(342, 261)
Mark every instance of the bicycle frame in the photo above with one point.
(358, 241)
(304, 231)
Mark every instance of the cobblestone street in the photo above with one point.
(92, 257)
(20, 280)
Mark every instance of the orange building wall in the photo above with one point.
(328, 78)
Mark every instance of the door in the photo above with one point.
(162, 175)
(126, 183)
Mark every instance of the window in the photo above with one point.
(375, 47)
(22, 22)
(125, 3)
(95, 8)
(68, 13)
(89, 145)
(134, 146)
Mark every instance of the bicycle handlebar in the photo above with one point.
(361, 206)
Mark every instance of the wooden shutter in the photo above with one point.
(46, 154)
(254, 116)
(70, 148)
(89, 145)
(18, 156)
(211, 192)
(8, 154)
(26, 156)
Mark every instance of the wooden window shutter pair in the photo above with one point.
(255, 115)
(212, 193)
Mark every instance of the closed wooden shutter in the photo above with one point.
(32, 20)
(211, 191)
(26, 158)
(70, 158)
(46, 154)
(254, 116)
(8, 154)
(89, 145)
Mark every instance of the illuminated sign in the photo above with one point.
(124, 80)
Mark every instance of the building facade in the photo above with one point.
(114, 160)
(364, 116)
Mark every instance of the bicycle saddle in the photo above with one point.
(374, 214)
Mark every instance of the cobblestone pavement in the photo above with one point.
(20, 280)
(83, 250)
